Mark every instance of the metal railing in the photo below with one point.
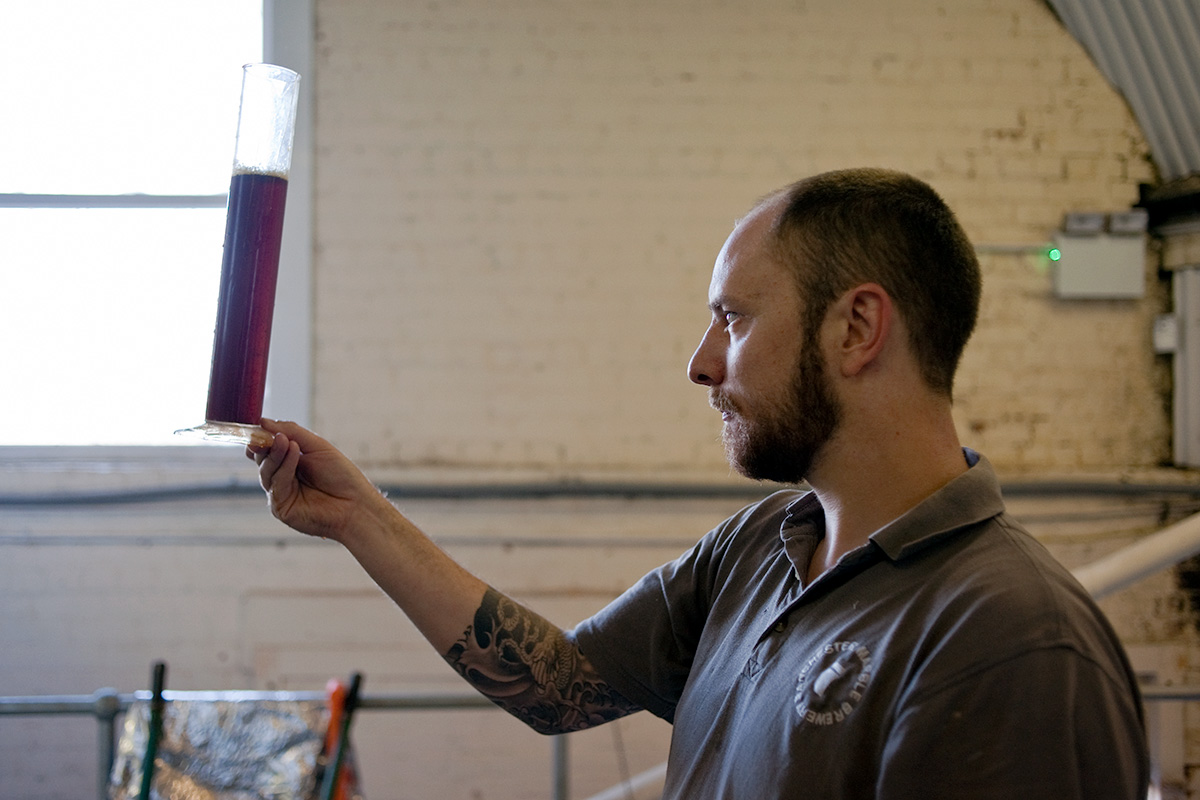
(107, 704)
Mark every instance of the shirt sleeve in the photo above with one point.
(644, 642)
(1047, 724)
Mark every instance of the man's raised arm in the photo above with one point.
(516, 658)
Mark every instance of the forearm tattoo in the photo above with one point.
(531, 669)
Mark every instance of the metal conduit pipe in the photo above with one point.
(565, 489)
(1157, 551)
(440, 491)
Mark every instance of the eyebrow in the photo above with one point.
(718, 304)
(725, 300)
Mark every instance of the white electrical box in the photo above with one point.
(1100, 266)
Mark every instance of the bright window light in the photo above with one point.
(106, 314)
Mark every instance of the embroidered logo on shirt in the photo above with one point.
(832, 682)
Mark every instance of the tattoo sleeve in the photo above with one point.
(530, 668)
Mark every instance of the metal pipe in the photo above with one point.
(440, 491)
(107, 702)
(562, 489)
(1163, 694)
(105, 705)
(560, 769)
(1145, 557)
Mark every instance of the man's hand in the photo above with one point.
(310, 484)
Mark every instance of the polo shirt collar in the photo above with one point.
(972, 497)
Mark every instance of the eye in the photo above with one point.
(730, 316)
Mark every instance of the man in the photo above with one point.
(890, 634)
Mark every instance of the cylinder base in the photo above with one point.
(230, 433)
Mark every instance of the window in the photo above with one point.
(117, 150)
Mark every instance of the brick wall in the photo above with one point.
(519, 204)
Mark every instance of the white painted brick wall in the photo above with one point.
(518, 206)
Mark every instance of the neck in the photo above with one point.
(868, 475)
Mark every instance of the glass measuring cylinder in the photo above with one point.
(250, 262)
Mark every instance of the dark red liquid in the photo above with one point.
(246, 303)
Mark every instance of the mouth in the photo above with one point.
(723, 405)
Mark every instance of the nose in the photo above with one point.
(707, 366)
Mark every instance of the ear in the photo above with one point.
(864, 317)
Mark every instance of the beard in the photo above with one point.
(783, 440)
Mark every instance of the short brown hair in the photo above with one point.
(840, 229)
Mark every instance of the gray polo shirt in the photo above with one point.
(950, 657)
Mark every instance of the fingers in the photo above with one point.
(291, 462)
(257, 452)
(308, 440)
(256, 448)
(271, 462)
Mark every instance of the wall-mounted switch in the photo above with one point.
(1166, 334)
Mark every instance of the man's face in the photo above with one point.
(768, 383)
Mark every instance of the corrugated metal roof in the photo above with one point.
(1150, 51)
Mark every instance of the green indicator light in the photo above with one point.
(1055, 254)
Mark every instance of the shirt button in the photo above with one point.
(779, 626)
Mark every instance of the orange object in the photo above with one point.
(336, 690)
(334, 735)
